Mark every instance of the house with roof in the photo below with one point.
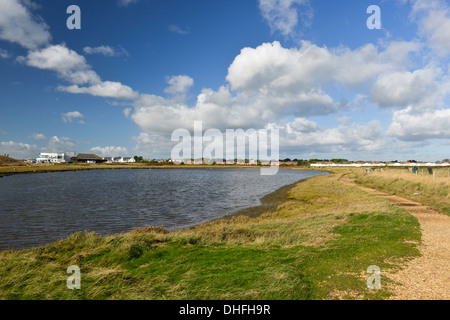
(87, 158)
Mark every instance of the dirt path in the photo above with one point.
(426, 277)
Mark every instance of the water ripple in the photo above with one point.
(36, 209)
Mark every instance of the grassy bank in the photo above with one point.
(432, 190)
(316, 245)
(22, 168)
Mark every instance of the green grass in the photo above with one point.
(316, 245)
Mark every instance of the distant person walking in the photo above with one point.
(415, 169)
(430, 170)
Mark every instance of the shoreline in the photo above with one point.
(269, 202)
(11, 170)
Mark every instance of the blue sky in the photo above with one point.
(138, 70)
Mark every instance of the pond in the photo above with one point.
(36, 209)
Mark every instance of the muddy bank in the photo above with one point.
(269, 203)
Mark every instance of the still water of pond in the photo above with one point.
(36, 209)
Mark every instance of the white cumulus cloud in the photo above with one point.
(283, 15)
(73, 68)
(60, 144)
(4, 54)
(18, 150)
(401, 89)
(68, 117)
(17, 25)
(106, 51)
(179, 84)
(68, 64)
(412, 125)
(37, 136)
(434, 24)
(110, 151)
(106, 89)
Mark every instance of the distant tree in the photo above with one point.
(302, 162)
(153, 161)
(339, 160)
(446, 160)
(138, 159)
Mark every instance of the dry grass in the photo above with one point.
(432, 190)
(6, 161)
(440, 176)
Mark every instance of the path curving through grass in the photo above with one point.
(426, 277)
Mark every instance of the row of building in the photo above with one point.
(70, 157)
(383, 164)
(67, 157)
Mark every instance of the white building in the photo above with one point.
(119, 159)
(357, 165)
(48, 157)
(128, 159)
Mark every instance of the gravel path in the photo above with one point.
(426, 277)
